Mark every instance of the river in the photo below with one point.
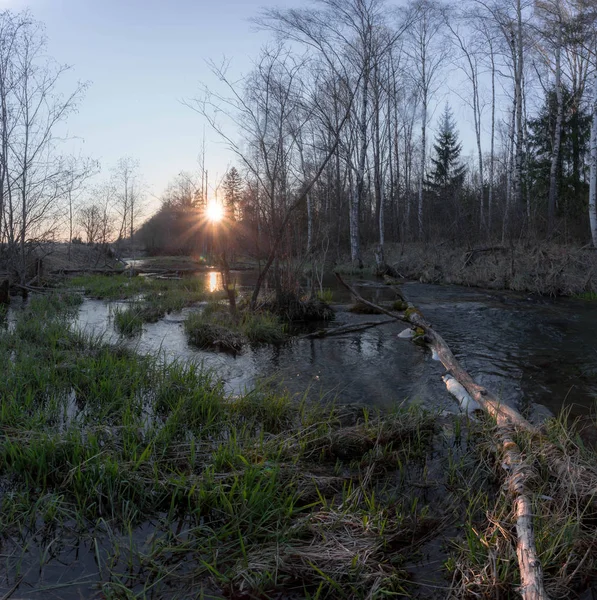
(531, 352)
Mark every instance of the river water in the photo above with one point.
(532, 353)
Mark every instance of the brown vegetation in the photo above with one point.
(540, 269)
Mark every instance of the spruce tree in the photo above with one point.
(233, 185)
(574, 150)
(447, 173)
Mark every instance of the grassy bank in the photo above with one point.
(127, 477)
(123, 287)
(539, 269)
(213, 327)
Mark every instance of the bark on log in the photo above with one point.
(518, 473)
(99, 271)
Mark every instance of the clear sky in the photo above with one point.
(142, 58)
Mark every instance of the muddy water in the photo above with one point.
(528, 351)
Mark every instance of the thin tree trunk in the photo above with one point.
(492, 144)
(423, 158)
(593, 172)
(555, 154)
(518, 82)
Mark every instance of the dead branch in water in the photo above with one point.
(330, 331)
(518, 473)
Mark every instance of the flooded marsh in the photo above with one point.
(143, 466)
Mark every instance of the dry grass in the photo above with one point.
(547, 269)
(565, 499)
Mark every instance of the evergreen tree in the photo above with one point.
(448, 173)
(233, 186)
(571, 173)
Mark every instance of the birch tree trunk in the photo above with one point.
(491, 142)
(593, 172)
(555, 153)
(423, 159)
(518, 79)
(353, 208)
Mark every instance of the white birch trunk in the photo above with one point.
(492, 145)
(555, 154)
(593, 172)
(518, 99)
(355, 248)
(423, 159)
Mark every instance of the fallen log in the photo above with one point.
(488, 402)
(331, 331)
(98, 270)
(518, 473)
(471, 255)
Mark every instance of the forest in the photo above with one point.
(346, 140)
(348, 137)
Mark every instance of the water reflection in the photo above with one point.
(214, 282)
(524, 351)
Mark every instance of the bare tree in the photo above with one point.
(33, 175)
(427, 57)
(263, 111)
(593, 165)
(129, 195)
(91, 221)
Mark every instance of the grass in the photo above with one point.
(151, 298)
(326, 295)
(349, 268)
(154, 478)
(588, 296)
(172, 292)
(168, 483)
(214, 327)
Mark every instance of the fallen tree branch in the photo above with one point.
(488, 402)
(30, 288)
(518, 473)
(98, 270)
(330, 331)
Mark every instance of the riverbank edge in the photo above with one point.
(544, 269)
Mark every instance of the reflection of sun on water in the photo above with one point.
(213, 282)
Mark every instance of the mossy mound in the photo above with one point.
(360, 308)
(290, 307)
(211, 335)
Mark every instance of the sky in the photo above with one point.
(142, 60)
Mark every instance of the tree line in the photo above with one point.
(343, 133)
(527, 80)
(342, 142)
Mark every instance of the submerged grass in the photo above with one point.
(151, 298)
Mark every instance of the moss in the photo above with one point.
(361, 308)
(410, 311)
(400, 305)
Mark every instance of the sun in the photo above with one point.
(214, 212)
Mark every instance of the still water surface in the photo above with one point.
(527, 350)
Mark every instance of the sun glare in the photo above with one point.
(214, 212)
